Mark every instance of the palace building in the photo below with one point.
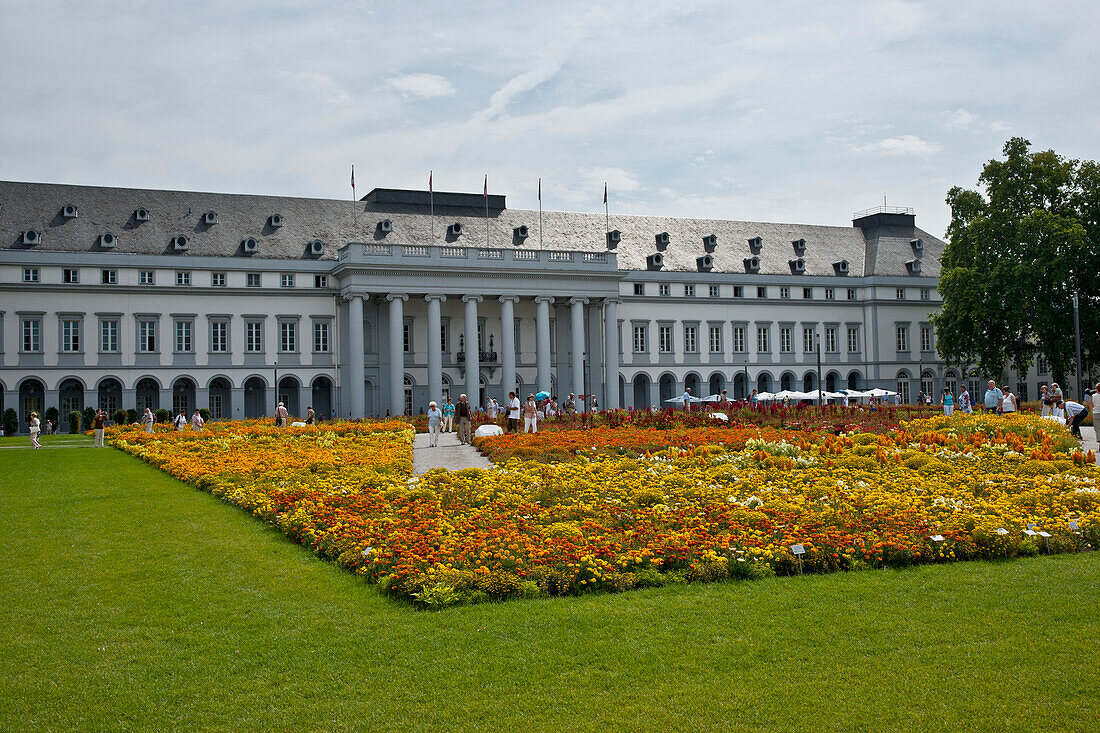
(127, 298)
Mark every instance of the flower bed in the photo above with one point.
(702, 510)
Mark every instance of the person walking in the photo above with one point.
(513, 412)
(1075, 413)
(687, 398)
(570, 406)
(993, 397)
(147, 420)
(964, 401)
(1009, 403)
(448, 416)
(1095, 404)
(196, 422)
(311, 416)
(35, 428)
(531, 415)
(948, 402)
(462, 412)
(99, 422)
(1056, 393)
(435, 417)
(280, 415)
(181, 421)
(1045, 403)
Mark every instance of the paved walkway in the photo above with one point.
(449, 454)
(1088, 441)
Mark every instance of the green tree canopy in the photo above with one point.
(1017, 251)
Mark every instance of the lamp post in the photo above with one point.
(820, 396)
(1077, 343)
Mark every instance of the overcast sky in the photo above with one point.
(767, 111)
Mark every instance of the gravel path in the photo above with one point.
(449, 454)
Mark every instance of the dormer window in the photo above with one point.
(210, 218)
(710, 242)
(798, 266)
(752, 264)
(662, 240)
(69, 211)
(613, 238)
(275, 221)
(840, 267)
(799, 246)
(756, 244)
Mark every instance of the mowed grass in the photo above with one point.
(132, 601)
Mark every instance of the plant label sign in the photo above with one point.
(937, 538)
(798, 549)
(1030, 532)
(1002, 531)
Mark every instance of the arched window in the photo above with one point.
(902, 386)
(408, 395)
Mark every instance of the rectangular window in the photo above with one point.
(663, 289)
(108, 277)
(784, 292)
(691, 339)
(254, 337)
(219, 337)
(70, 334)
(320, 337)
(70, 276)
(639, 288)
(288, 336)
(286, 280)
(30, 274)
(853, 339)
(830, 293)
(108, 336)
(851, 293)
(252, 279)
(925, 294)
(903, 338)
(761, 292)
(715, 291)
(1041, 366)
(689, 291)
(32, 332)
(763, 339)
(217, 279)
(406, 337)
(925, 337)
(445, 327)
(664, 339)
(807, 293)
(183, 337)
(739, 339)
(183, 278)
(320, 281)
(640, 345)
(147, 277)
(786, 336)
(831, 339)
(809, 340)
(739, 291)
(147, 336)
(715, 339)
(900, 293)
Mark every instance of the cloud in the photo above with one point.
(960, 118)
(900, 145)
(517, 85)
(617, 179)
(323, 86)
(999, 126)
(422, 85)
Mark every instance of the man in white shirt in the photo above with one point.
(993, 397)
(513, 413)
(687, 398)
(1096, 400)
(280, 415)
(1076, 413)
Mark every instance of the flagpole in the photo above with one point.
(353, 182)
(431, 206)
(485, 195)
(540, 213)
(606, 216)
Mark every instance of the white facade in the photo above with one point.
(356, 317)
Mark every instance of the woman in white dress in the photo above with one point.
(36, 427)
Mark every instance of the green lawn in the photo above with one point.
(132, 601)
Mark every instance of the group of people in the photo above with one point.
(99, 425)
(452, 416)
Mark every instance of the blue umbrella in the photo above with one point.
(542, 395)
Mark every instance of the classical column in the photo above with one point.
(508, 343)
(473, 355)
(435, 354)
(356, 377)
(611, 353)
(576, 313)
(594, 347)
(397, 353)
(542, 341)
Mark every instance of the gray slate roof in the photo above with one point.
(336, 223)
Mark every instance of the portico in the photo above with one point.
(497, 296)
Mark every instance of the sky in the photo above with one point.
(800, 112)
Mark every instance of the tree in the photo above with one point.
(1016, 254)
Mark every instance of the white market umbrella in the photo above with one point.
(876, 392)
